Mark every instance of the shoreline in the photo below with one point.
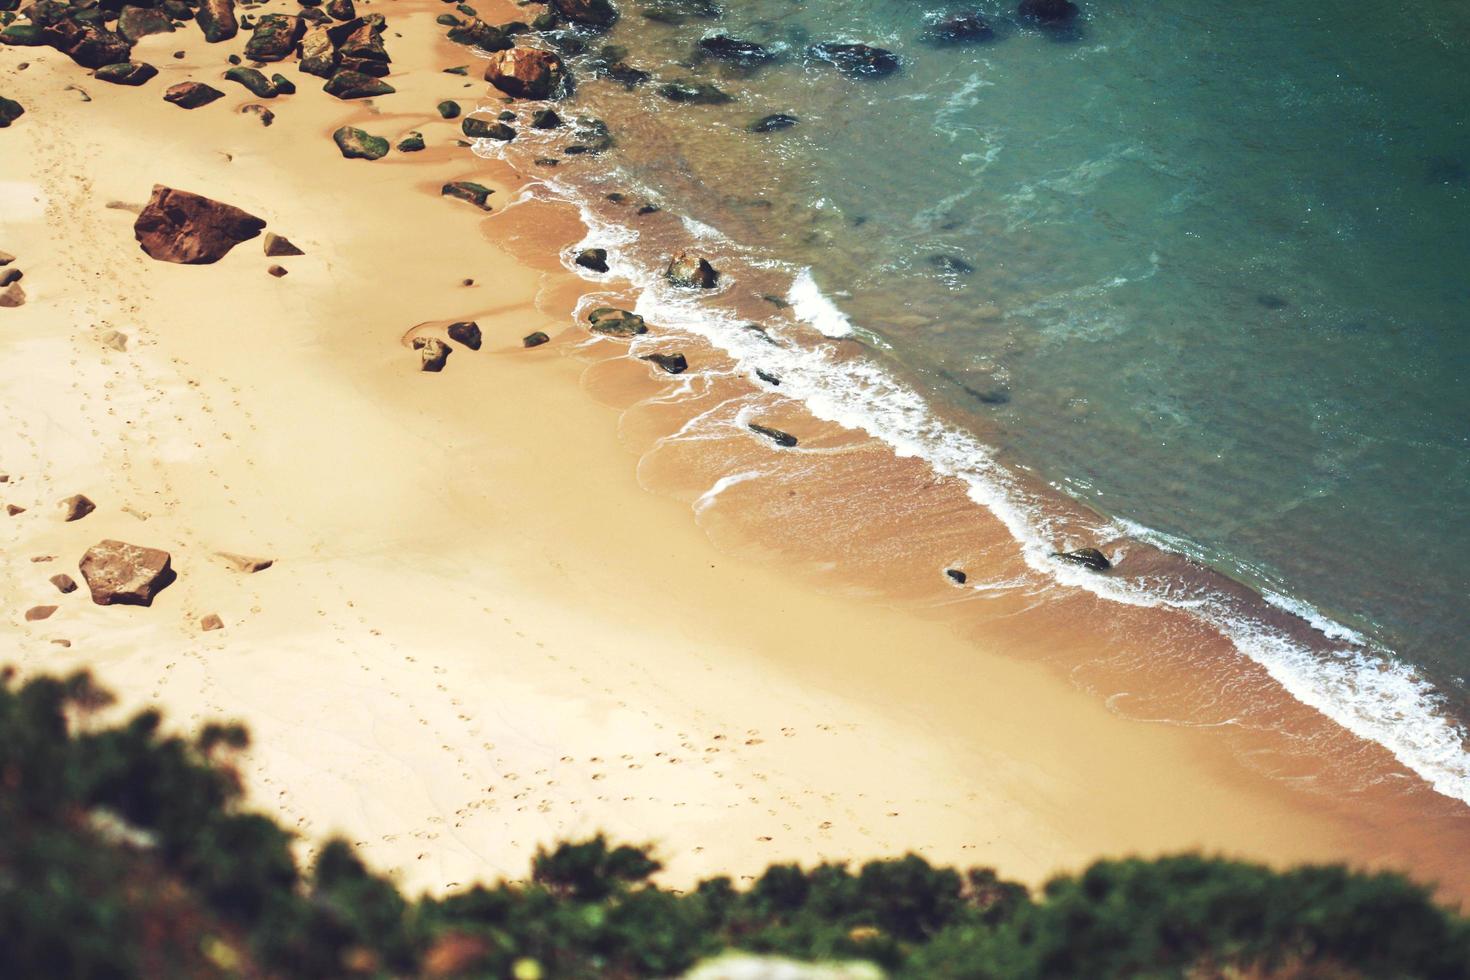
(472, 583)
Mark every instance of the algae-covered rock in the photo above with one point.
(592, 13)
(216, 18)
(359, 144)
(23, 35)
(615, 322)
(449, 109)
(275, 36)
(694, 93)
(468, 190)
(486, 129)
(126, 73)
(412, 143)
(317, 53)
(348, 84)
(253, 80)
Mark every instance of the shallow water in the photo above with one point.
(1201, 268)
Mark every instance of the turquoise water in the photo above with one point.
(1203, 267)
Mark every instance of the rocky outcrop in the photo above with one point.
(774, 122)
(191, 95)
(275, 37)
(784, 439)
(136, 23)
(76, 507)
(535, 339)
(486, 129)
(466, 332)
(615, 322)
(468, 190)
(672, 363)
(856, 60)
(1087, 558)
(122, 574)
(348, 84)
(216, 19)
(358, 144)
(691, 271)
(695, 93)
(728, 48)
(527, 73)
(177, 226)
(433, 353)
(126, 73)
(593, 258)
(592, 13)
(277, 246)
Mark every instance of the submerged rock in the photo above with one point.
(692, 271)
(1048, 13)
(728, 48)
(672, 363)
(592, 13)
(485, 129)
(856, 60)
(468, 190)
(177, 226)
(433, 353)
(360, 144)
(615, 322)
(527, 73)
(545, 119)
(466, 332)
(780, 438)
(774, 122)
(967, 27)
(594, 259)
(191, 95)
(1087, 558)
(695, 93)
(118, 573)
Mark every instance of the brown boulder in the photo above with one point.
(279, 245)
(177, 226)
(211, 622)
(64, 583)
(125, 574)
(12, 296)
(433, 353)
(466, 332)
(76, 507)
(191, 95)
(217, 20)
(526, 73)
(39, 612)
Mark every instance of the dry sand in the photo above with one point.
(480, 632)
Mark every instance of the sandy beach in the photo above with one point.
(481, 631)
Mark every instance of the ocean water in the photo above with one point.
(1191, 275)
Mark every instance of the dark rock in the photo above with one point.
(257, 83)
(356, 85)
(592, 13)
(265, 115)
(23, 35)
(967, 27)
(728, 48)
(956, 576)
(649, 209)
(466, 190)
(592, 137)
(359, 144)
(10, 111)
(951, 265)
(856, 60)
(341, 9)
(694, 93)
(88, 45)
(317, 53)
(692, 271)
(136, 23)
(275, 36)
(481, 35)
(1272, 302)
(672, 363)
(616, 323)
(594, 259)
(64, 583)
(679, 11)
(775, 121)
(484, 129)
(466, 332)
(1087, 558)
(177, 226)
(277, 271)
(282, 84)
(191, 95)
(527, 73)
(9, 276)
(124, 574)
(433, 353)
(361, 39)
(412, 143)
(277, 246)
(76, 507)
(506, 116)
(545, 119)
(1048, 13)
(448, 20)
(609, 63)
(217, 19)
(780, 438)
(449, 109)
(458, 70)
(535, 339)
(767, 377)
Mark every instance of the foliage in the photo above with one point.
(125, 852)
